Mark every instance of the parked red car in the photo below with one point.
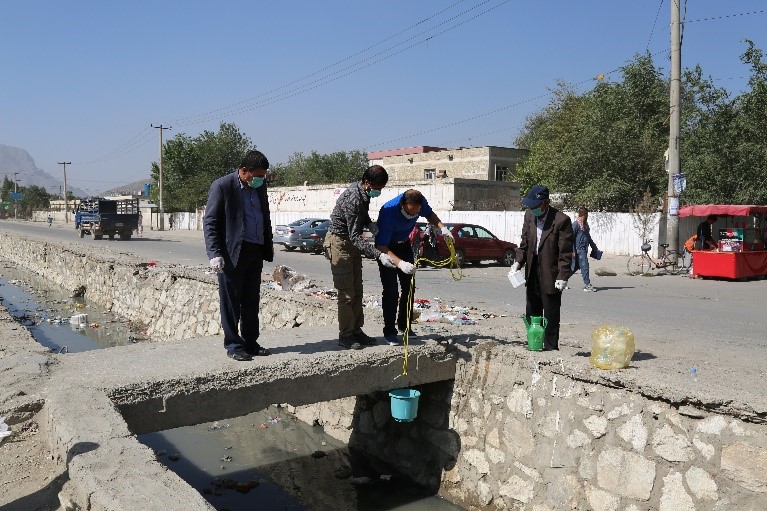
(473, 243)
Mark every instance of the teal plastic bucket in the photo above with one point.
(404, 404)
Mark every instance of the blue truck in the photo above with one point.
(101, 217)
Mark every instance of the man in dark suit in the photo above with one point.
(546, 251)
(238, 239)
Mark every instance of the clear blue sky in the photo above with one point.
(83, 80)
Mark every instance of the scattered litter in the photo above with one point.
(612, 347)
(216, 425)
(288, 279)
(385, 477)
(225, 458)
(263, 426)
(274, 420)
(5, 430)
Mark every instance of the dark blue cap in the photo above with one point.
(535, 196)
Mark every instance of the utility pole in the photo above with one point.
(66, 200)
(162, 211)
(672, 226)
(15, 200)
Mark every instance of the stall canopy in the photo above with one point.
(722, 210)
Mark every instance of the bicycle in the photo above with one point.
(671, 261)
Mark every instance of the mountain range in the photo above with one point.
(14, 160)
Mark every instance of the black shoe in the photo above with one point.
(259, 351)
(239, 355)
(349, 342)
(365, 340)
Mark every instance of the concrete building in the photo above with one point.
(488, 163)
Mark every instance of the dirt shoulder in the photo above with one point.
(29, 478)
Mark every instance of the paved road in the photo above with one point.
(717, 326)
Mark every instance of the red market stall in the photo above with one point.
(741, 252)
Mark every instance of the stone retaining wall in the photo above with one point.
(171, 302)
(526, 432)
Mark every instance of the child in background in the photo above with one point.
(582, 237)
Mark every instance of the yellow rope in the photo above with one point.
(455, 271)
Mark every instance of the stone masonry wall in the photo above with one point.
(171, 302)
(529, 433)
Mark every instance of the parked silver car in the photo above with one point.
(285, 234)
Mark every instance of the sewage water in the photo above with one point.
(267, 460)
(45, 310)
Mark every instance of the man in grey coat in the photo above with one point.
(238, 239)
(546, 253)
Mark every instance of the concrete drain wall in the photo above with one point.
(522, 431)
(172, 302)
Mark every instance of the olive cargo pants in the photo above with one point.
(346, 267)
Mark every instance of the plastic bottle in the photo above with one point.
(694, 374)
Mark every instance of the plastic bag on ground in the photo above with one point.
(612, 347)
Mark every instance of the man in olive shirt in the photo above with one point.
(345, 245)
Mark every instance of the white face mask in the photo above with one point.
(404, 213)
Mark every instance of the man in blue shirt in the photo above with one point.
(395, 221)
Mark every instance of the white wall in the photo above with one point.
(614, 233)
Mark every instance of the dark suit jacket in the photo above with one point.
(224, 221)
(556, 249)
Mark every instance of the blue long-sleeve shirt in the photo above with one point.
(392, 224)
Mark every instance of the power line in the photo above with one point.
(336, 63)
(655, 22)
(351, 69)
(726, 16)
(500, 109)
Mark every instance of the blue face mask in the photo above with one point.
(256, 182)
(409, 217)
(538, 212)
(373, 193)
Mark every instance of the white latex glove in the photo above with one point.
(406, 267)
(373, 228)
(217, 263)
(447, 234)
(386, 260)
(514, 268)
(560, 285)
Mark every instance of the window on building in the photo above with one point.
(502, 172)
(429, 173)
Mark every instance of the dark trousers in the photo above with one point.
(542, 304)
(393, 294)
(239, 292)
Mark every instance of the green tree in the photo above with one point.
(190, 165)
(35, 197)
(316, 168)
(603, 148)
(723, 151)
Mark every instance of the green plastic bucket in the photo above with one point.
(404, 404)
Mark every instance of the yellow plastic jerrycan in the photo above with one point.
(536, 330)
